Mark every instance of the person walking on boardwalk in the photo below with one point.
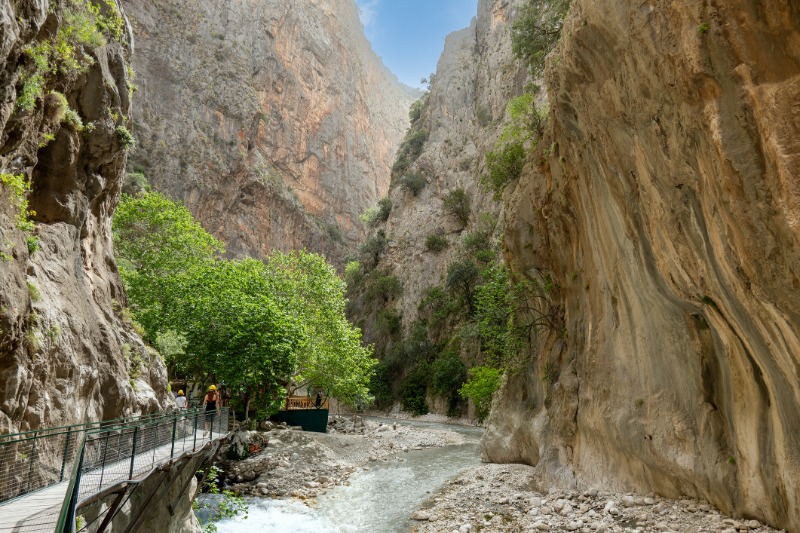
(181, 400)
(210, 402)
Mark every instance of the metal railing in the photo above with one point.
(112, 456)
(33, 460)
(95, 456)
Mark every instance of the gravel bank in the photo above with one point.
(494, 497)
(297, 464)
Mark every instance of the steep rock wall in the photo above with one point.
(66, 354)
(668, 211)
(465, 110)
(274, 121)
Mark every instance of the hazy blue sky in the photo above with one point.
(409, 34)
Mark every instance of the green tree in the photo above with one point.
(331, 355)
(482, 383)
(154, 240)
(537, 30)
(458, 204)
(236, 330)
(462, 277)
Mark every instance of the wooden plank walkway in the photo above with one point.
(39, 510)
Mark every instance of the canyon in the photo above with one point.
(661, 200)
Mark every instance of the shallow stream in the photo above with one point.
(380, 496)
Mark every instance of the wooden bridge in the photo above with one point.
(48, 476)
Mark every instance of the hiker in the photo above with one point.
(318, 401)
(210, 401)
(181, 400)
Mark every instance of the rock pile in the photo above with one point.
(494, 497)
(298, 464)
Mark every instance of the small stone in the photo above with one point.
(295, 457)
(421, 515)
(649, 501)
(573, 526)
(628, 501)
(541, 526)
(311, 484)
(465, 528)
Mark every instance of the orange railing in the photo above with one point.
(304, 402)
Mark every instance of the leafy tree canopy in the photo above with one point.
(257, 326)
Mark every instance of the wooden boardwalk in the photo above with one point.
(39, 510)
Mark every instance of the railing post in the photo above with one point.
(174, 429)
(194, 442)
(103, 467)
(133, 450)
(66, 451)
(30, 461)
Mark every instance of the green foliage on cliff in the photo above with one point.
(458, 204)
(537, 30)
(19, 187)
(482, 383)
(435, 242)
(257, 326)
(61, 57)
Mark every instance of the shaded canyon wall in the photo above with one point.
(67, 351)
(668, 209)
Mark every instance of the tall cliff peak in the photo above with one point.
(275, 122)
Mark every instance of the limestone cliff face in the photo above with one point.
(465, 109)
(65, 353)
(274, 121)
(668, 210)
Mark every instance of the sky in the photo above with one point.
(409, 34)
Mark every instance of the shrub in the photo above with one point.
(413, 389)
(415, 112)
(462, 276)
(504, 165)
(84, 25)
(414, 143)
(458, 204)
(436, 243)
(380, 213)
(414, 182)
(353, 274)
(482, 383)
(384, 288)
(19, 187)
(33, 243)
(373, 247)
(537, 30)
(380, 386)
(389, 322)
(448, 373)
(125, 137)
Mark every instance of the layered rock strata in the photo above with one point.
(667, 209)
(67, 350)
(273, 121)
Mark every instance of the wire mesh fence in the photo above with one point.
(71, 463)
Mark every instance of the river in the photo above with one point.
(380, 497)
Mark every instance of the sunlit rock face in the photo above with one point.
(274, 121)
(475, 77)
(668, 209)
(67, 354)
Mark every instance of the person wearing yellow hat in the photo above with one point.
(181, 400)
(211, 404)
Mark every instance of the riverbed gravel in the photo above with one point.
(297, 464)
(495, 497)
